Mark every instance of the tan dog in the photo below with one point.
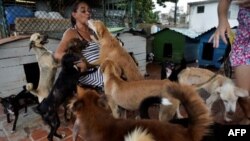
(47, 66)
(112, 49)
(96, 123)
(129, 94)
(219, 87)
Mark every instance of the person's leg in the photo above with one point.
(242, 80)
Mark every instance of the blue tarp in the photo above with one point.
(17, 11)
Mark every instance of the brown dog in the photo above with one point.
(112, 49)
(96, 123)
(219, 87)
(129, 94)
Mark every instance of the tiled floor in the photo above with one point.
(32, 128)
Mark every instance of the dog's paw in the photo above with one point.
(12, 131)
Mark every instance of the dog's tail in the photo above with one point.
(138, 134)
(149, 101)
(198, 113)
(30, 88)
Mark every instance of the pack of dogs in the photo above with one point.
(99, 117)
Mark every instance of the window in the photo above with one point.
(200, 9)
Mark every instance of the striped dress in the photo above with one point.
(91, 53)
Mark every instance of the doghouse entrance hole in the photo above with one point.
(168, 49)
(208, 51)
(32, 73)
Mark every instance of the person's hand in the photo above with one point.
(220, 32)
(243, 3)
(81, 65)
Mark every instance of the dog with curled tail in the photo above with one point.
(97, 124)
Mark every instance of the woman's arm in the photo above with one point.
(223, 26)
(63, 45)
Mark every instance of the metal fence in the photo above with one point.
(53, 16)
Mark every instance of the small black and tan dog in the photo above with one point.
(14, 103)
(63, 89)
(170, 70)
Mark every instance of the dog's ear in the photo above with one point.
(32, 44)
(77, 105)
(102, 29)
(103, 102)
(80, 91)
(117, 69)
(240, 92)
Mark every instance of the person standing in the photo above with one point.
(80, 15)
(240, 52)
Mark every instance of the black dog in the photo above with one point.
(170, 70)
(14, 103)
(61, 92)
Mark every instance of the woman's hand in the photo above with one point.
(243, 3)
(82, 65)
(221, 31)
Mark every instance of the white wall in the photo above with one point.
(137, 45)
(201, 22)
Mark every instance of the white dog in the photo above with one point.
(217, 85)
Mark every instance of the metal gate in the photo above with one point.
(53, 16)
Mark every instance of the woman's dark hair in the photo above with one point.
(74, 9)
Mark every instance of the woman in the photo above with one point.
(81, 13)
(240, 54)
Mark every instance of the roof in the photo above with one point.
(13, 38)
(202, 2)
(185, 32)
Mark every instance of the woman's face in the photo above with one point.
(82, 13)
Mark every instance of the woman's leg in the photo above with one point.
(242, 80)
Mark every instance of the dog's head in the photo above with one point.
(38, 40)
(229, 94)
(99, 29)
(88, 101)
(76, 45)
(168, 67)
(7, 103)
(109, 67)
(70, 61)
